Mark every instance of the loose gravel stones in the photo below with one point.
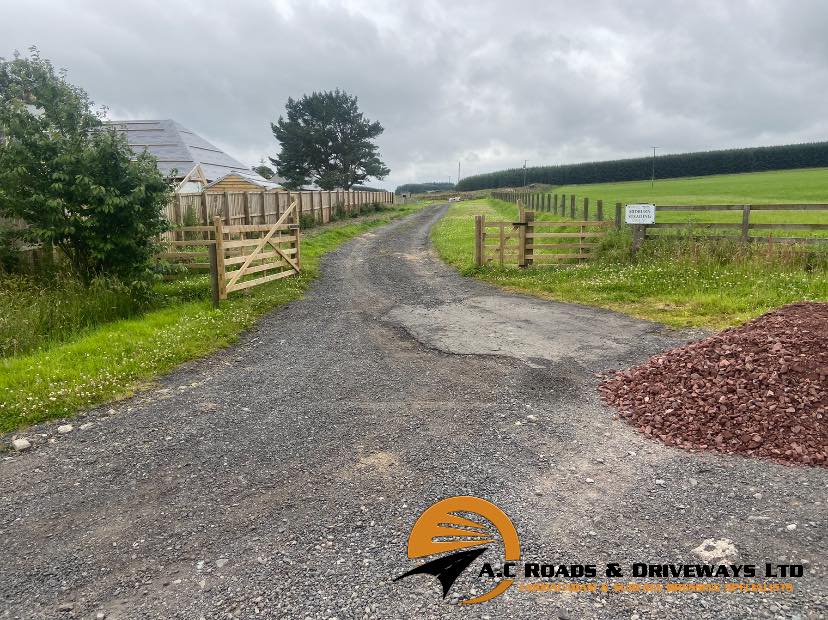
(760, 389)
(21, 444)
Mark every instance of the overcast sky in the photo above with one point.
(486, 83)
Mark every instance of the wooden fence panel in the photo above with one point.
(262, 207)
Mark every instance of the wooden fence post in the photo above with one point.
(221, 276)
(521, 230)
(600, 214)
(572, 206)
(555, 204)
(246, 207)
(205, 218)
(214, 275)
(478, 240)
(618, 216)
(746, 223)
(586, 209)
(527, 229)
(179, 220)
(264, 205)
(639, 231)
(296, 239)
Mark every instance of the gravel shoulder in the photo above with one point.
(281, 477)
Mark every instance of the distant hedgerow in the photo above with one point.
(730, 161)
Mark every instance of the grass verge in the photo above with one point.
(112, 360)
(679, 283)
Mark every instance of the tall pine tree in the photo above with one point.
(326, 140)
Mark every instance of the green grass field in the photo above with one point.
(779, 187)
(679, 283)
(112, 359)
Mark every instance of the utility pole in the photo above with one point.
(652, 181)
(525, 161)
(458, 171)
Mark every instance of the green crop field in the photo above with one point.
(782, 187)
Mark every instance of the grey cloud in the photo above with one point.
(483, 82)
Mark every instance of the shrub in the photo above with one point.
(72, 179)
(307, 220)
(9, 253)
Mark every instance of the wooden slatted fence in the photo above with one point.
(264, 207)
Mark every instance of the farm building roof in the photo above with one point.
(248, 176)
(180, 149)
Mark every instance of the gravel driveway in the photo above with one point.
(281, 477)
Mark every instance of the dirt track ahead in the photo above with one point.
(281, 477)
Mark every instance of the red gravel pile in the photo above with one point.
(760, 389)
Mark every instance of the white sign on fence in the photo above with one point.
(640, 214)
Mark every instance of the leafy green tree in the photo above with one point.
(326, 139)
(71, 178)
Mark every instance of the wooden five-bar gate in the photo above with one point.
(528, 241)
(239, 256)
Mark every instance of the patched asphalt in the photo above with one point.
(280, 477)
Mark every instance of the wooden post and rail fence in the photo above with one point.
(564, 205)
(558, 204)
(530, 241)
